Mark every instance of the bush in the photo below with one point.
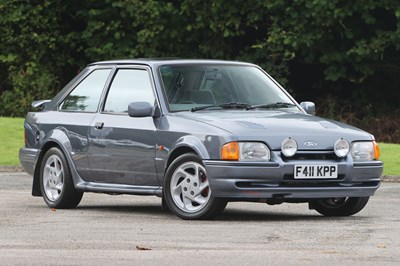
(385, 127)
(34, 84)
(45, 43)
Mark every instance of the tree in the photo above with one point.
(333, 46)
(33, 54)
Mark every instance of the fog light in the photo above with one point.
(289, 147)
(342, 148)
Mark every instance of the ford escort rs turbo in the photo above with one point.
(198, 134)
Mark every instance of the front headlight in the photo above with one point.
(364, 151)
(245, 151)
(253, 151)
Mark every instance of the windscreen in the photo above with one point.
(191, 86)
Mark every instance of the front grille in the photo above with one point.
(317, 155)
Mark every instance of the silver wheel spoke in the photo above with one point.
(58, 186)
(187, 203)
(59, 171)
(177, 190)
(177, 186)
(200, 200)
(203, 185)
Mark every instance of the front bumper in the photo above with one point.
(268, 180)
(27, 158)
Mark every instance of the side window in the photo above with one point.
(129, 85)
(86, 96)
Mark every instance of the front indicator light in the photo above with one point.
(230, 151)
(377, 152)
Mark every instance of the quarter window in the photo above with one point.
(86, 96)
(129, 85)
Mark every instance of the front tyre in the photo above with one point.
(340, 206)
(56, 182)
(187, 190)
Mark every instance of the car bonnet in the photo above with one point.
(272, 127)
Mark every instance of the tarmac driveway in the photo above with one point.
(117, 230)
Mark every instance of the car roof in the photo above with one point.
(169, 61)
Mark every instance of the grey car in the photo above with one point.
(198, 133)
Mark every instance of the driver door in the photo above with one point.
(122, 148)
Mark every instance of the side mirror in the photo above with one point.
(308, 107)
(140, 109)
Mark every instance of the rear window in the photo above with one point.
(86, 96)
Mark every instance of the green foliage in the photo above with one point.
(45, 43)
(349, 39)
(30, 56)
(27, 88)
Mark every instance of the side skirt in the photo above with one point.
(117, 188)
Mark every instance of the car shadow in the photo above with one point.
(309, 215)
(126, 209)
(232, 215)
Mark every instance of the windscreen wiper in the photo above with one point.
(232, 105)
(272, 105)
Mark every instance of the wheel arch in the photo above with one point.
(178, 152)
(55, 138)
(187, 144)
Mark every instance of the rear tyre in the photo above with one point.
(340, 206)
(187, 190)
(56, 182)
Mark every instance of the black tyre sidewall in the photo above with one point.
(214, 206)
(350, 207)
(69, 197)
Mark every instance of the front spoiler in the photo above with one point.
(236, 180)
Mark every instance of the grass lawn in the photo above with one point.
(12, 138)
(390, 155)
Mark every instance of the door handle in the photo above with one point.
(98, 125)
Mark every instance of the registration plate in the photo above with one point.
(315, 171)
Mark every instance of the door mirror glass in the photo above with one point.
(140, 109)
(308, 107)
